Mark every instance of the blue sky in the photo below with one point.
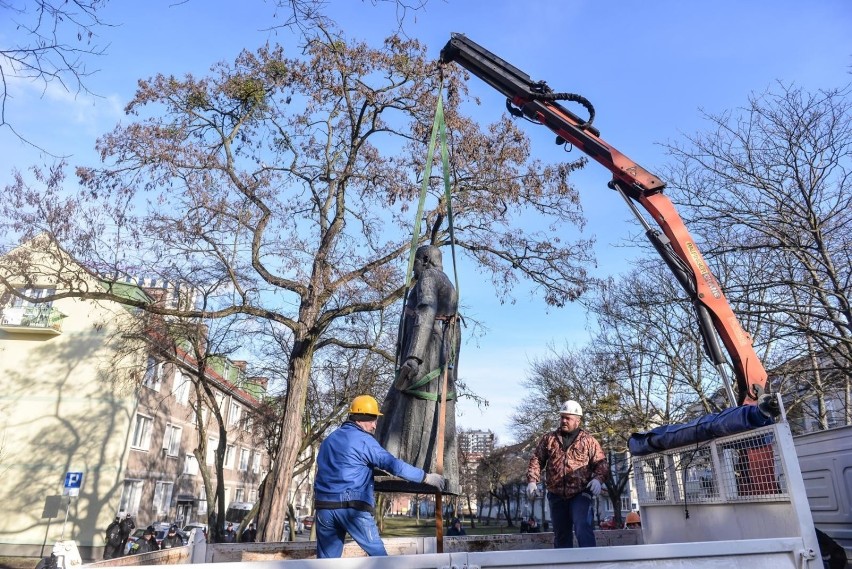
(648, 68)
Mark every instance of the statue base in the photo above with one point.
(384, 482)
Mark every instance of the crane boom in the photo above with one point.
(716, 319)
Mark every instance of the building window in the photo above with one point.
(230, 451)
(180, 388)
(834, 413)
(240, 495)
(190, 465)
(234, 415)
(205, 412)
(153, 374)
(211, 450)
(202, 501)
(142, 433)
(255, 467)
(244, 459)
(253, 496)
(32, 292)
(171, 441)
(162, 497)
(131, 496)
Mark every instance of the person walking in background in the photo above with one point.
(532, 525)
(343, 488)
(126, 526)
(575, 470)
(633, 521)
(172, 538)
(112, 547)
(456, 528)
(230, 535)
(249, 534)
(145, 544)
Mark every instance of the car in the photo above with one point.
(308, 522)
(192, 526)
(608, 523)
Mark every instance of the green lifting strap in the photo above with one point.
(414, 392)
(439, 127)
(424, 186)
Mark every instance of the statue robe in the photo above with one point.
(408, 428)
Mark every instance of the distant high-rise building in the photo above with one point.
(476, 444)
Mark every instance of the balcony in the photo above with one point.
(38, 319)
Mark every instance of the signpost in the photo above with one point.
(73, 482)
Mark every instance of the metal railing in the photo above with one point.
(741, 468)
(38, 316)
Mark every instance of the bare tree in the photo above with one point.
(284, 186)
(502, 472)
(56, 39)
(645, 327)
(771, 184)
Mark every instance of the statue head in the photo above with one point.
(427, 257)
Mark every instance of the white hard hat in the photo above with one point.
(571, 407)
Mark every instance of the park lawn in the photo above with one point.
(402, 526)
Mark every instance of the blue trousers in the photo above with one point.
(332, 526)
(570, 515)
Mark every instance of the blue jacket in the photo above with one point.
(345, 466)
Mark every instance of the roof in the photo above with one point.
(129, 291)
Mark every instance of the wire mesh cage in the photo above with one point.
(745, 467)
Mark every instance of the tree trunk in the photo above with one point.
(275, 497)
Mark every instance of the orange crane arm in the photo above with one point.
(538, 102)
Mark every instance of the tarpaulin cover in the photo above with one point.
(714, 425)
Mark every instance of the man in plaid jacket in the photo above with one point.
(575, 470)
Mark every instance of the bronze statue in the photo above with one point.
(428, 340)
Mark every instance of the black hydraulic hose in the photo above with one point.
(685, 277)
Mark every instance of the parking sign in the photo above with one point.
(73, 482)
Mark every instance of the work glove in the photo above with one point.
(532, 490)
(594, 486)
(436, 480)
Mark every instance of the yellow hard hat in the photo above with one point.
(364, 405)
(633, 518)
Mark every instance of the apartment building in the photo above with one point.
(162, 479)
(87, 430)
